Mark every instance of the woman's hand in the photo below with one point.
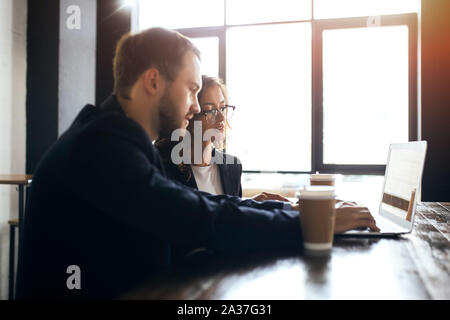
(263, 196)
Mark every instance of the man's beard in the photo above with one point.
(168, 121)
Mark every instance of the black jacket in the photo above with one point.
(100, 200)
(230, 171)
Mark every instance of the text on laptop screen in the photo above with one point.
(403, 172)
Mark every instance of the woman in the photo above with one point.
(216, 172)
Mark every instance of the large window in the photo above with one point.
(269, 80)
(372, 107)
(318, 84)
(209, 48)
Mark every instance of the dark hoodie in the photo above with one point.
(100, 201)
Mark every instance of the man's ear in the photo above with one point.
(153, 82)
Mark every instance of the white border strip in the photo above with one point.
(318, 246)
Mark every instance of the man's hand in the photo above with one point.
(263, 196)
(340, 203)
(350, 217)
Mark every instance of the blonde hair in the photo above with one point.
(210, 81)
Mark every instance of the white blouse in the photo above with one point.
(208, 178)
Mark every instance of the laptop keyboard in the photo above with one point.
(384, 226)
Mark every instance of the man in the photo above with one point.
(101, 215)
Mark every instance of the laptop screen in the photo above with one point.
(402, 182)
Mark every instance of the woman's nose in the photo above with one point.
(220, 116)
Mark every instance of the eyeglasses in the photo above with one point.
(211, 115)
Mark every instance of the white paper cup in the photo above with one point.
(317, 216)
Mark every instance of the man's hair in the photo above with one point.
(160, 48)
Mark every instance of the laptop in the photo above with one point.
(401, 188)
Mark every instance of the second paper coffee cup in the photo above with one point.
(318, 179)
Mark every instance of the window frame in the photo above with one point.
(317, 27)
(409, 20)
(204, 32)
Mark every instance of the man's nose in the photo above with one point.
(196, 106)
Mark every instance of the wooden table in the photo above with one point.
(414, 266)
(21, 181)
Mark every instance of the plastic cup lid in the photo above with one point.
(316, 192)
(318, 176)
